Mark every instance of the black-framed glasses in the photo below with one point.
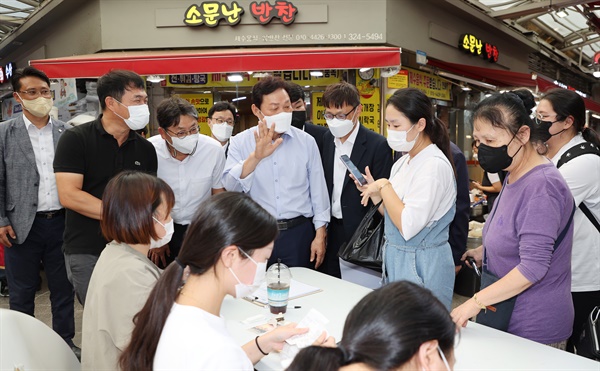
(184, 133)
(32, 93)
(339, 116)
(219, 120)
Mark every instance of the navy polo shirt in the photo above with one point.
(89, 150)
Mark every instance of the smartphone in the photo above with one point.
(353, 170)
(474, 265)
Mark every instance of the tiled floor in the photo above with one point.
(44, 314)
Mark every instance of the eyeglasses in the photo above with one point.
(46, 93)
(184, 133)
(539, 118)
(339, 116)
(219, 120)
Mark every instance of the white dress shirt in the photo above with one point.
(42, 142)
(427, 187)
(583, 178)
(340, 171)
(192, 179)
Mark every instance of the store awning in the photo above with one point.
(172, 62)
(488, 75)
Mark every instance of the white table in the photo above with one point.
(478, 348)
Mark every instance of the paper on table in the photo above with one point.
(297, 290)
(315, 321)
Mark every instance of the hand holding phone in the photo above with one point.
(474, 265)
(353, 170)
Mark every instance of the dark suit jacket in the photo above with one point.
(370, 149)
(19, 178)
(317, 132)
(459, 228)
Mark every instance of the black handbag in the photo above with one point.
(589, 342)
(366, 244)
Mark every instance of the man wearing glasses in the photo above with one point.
(192, 164)
(88, 156)
(221, 120)
(280, 168)
(32, 219)
(348, 137)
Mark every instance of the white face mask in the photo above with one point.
(443, 357)
(186, 145)
(138, 116)
(397, 140)
(169, 229)
(340, 128)
(222, 131)
(39, 107)
(282, 121)
(241, 289)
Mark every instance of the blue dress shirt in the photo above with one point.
(289, 183)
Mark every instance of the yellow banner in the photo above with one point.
(431, 85)
(219, 80)
(318, 109)
(202, 102)
(398, 81)
(369, 118)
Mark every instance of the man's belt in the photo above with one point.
(50, 214)
(285, 224)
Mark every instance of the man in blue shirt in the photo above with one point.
(280, 167)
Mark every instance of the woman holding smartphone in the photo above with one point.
(419, 199)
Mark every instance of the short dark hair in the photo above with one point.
(295, 91)
(128, 203)
(266, 86)
(170, 110)
(223, 106)
(338, 94)
(114, 83)
(385, 330)
(21, 73)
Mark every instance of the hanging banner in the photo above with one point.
(433, 86)
(316, 102)
(202, 102)
(64, 92)
(370, 116)
(219, 80)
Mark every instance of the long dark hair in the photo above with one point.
(223, 220)
(385, 330)
(415, 105)
(568, 103)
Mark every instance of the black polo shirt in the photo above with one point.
(89, 150)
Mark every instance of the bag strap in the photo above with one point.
(576, 151)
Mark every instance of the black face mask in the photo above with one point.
(494, 159)
(544, 129)
(298, 119)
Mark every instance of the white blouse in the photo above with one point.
(426, 185)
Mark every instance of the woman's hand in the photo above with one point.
(476, 184)
(461, 314)
(158, 255)
(325, 341)
(273, 340)
(476, 254)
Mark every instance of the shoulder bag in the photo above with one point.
(366, 244)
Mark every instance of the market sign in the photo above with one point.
(211, 13)
(370, 117)
(398, 81)
(219, 80)
(6, 72)
(474, 45)
(433, 86)
(202, 103)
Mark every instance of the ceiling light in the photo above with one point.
(316, 73)
(465, 87)
(534, 76)
(155, 78)
(596, 72)
(260, 75)
(364, 69)
(562, 13)
(595, 116)
(235, 77)
(238, 98)
(307, 86)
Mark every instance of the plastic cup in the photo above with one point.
(279, 278)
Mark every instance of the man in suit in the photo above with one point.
(299, 114)
(32, 220)
(346, 136)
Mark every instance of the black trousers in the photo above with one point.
(292, 246)
(43, 244)
(583, 302)
(336, 236)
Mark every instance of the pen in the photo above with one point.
(297, 307)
